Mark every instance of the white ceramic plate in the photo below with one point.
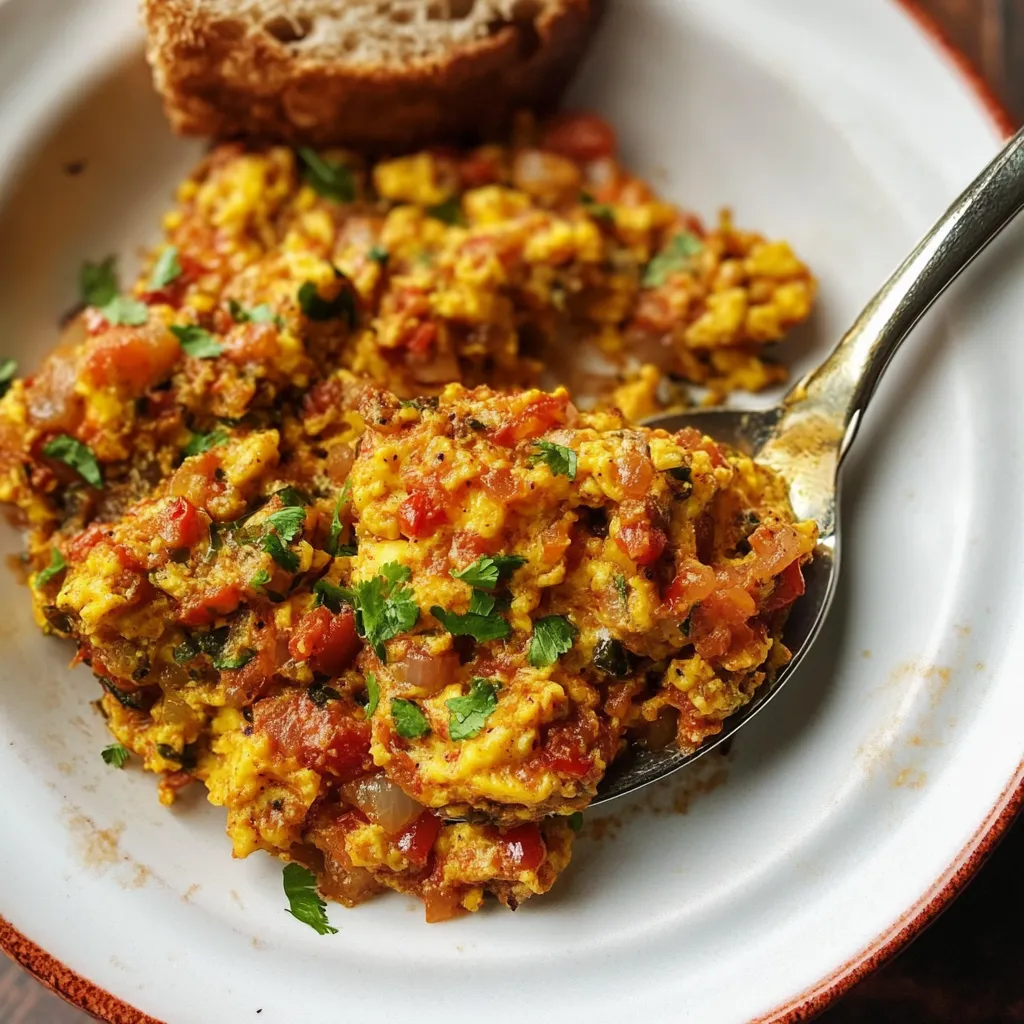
(846, 813)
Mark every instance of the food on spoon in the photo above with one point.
(377, 75)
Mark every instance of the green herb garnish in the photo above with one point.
(320, 693)
(316, 307)
(229, 662)
(259, 579)
(468, 715)
(196, 342)
(97, 282)
(576, 821)
(261, 314)
(288, 522)
(379, 255)
(481, 622)
(199, 443)
(165, 270)
(331, 596)
(116, 755)
(8, 368)
(123, 310)
(410, 723)
(57, 565)
(372, 694)
(599, 211)
(288, 560)
(622, 587)
(385, 607)
(126, 700)
(292, 497)
(486, 571)
(328, 178)
(552, 637)
(676, 256)
(559, 459)
(78, 456)
(450, 211)
(304, 902)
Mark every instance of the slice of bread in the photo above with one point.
(376, 74)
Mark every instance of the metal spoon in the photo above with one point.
(806, 436)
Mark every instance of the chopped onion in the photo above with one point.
(383, 802)
(339, 462)
(427, 672)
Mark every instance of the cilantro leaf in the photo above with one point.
(316, 307)
(468, 715)
(261, 314)
(487, 570)
(385, 608)
(328, 178)
(379, 255)
(449, 212)
(8, 368)
(123, 310)
(552, 636)
(410, 723)
(126, 700)
(676, 256)
(199, 443)
(165, 270)
(320, 693)
(373, 693)
(260, 578)
(116, 754)
(288, 560)
(292, 496)
(394, 572)
(560, 460)
(288, 522)
(97, 282)
(196, 342)
(57, 565)
(78, 456)
(331, 595)
(336, 524)
(239, 659)
(480, 622)
(576, 821)
(304, 902)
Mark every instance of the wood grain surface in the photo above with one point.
(969, 967)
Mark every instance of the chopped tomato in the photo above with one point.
(180, 523)
(774, 548)
(202, 609)
(580, 137)
(420, 515)
(555, 539)
(467, 547)
(416, 840)
(788, 587)
(641, 541)
(635, 473)
(82, 543)
(690, 437)
(130, 358)
(523, 848)
(692, 583)
(503, 484)
(252, 343)
(543, 413)
(719, 623)
(421, 339)
(327, 641)
(477, 169)
(440, 901)
(565, 750)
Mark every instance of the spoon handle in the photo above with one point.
(839, 390)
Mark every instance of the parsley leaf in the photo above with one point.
(449, 212)
(8, 368)
(288, 560)
(576, 821)
(559, 459)
(165, 270)
(331, 595)
(260, 578)
(468, 715)
(480, 622)
(675, 257)
(196, 342)
(304, 902)
(97, 282)
(410, 723)
(379, 255)
(320, 693)
(288, 522)
(316, 307)
(57, 565)
(292, 496)
(385, 607)
(261, 314)
(487, 570)
(552, 636)
(373, 693)
(328, 178)
(78, 456)
(116, 754)
(199, 443)
(123, 310)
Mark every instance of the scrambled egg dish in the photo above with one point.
(332, 553)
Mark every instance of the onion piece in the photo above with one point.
(427, 672)
(383, 802)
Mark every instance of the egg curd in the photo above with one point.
(332, 554)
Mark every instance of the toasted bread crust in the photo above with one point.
(217, 83)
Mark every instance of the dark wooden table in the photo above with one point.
(969, 967)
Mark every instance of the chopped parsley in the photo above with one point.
(78, 456)
(379, 255)
(8, 368)
(328, 178)
(576, 821)
(449, 212)
(468, 715)
(331, 596)
(116, 755)
(559, 459)
(199, 443)
(320, 693)
(126, 700)
(259, 579)
(196, 342)
(372, 694)
(57, 565)
(481, 622)
(385, 607)
(165, 270)
(676, 256)
(261, 314)
(486, 571)
(123, 310)
(97, 282)
(552, 637)
(316, 307)
(304, 902)
(410, 723)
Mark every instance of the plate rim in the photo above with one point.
(93, 999)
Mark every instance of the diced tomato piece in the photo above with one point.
(252, 343)
(422, 338)
(580, 137)
(416, 840)
(420, 515)
(130, 358)
(441, 902)
(204, 608)
(789, 585)
(555, 539)
(82, 543)
(523, 848)
(503, 484)
(774, 548)
(565, 751)
(543, 413)
(327, 641)
(180, 523)
(692, 583)
(641, 541)
(467, 547)
(692, 438)
(477, 169)
(719, 622)
(635, 473)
